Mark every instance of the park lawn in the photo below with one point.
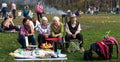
(94, 27)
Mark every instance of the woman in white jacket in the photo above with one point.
(34, 22)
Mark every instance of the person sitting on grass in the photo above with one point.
(78, 12)
(56, 29)
(8, 24)
(26, 11)
(73, 32)
(44, 31)
(26, 30)
(31, 14)
(34, 22)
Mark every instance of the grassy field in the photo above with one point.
(94, 27)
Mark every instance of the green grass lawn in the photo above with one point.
(94, 27)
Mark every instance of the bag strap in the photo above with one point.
(107, 50)
(112, 40)
(116, 43)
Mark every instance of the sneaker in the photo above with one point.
(82, 49)
(13, 30)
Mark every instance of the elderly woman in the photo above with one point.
(73, 29)
(26, 30)
(43, 30)
(56, 29)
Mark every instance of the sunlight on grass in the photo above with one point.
(94, 28)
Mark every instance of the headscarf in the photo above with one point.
(56, 18)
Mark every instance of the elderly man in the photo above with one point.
(73, 32)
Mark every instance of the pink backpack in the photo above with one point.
(111, 40)
(39, 9)
(101, 49)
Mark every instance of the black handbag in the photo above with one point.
(88, 55)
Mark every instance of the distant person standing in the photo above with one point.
(19, 13)
(39, 10)
(69, 13)
(31, 14)
(4, 9)
(117, 9)
(13, 9)
(26, 11)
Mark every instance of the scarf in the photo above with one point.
(56, 25)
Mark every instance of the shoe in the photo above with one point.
(82, 49)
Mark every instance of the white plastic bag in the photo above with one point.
(26, 40)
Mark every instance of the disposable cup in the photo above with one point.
(58, 51)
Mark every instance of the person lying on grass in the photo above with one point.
(8, 24)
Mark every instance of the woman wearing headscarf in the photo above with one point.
(56, 29)
(43, 30)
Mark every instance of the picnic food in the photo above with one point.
(46, 45)
(41, 53)
(15, 54)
